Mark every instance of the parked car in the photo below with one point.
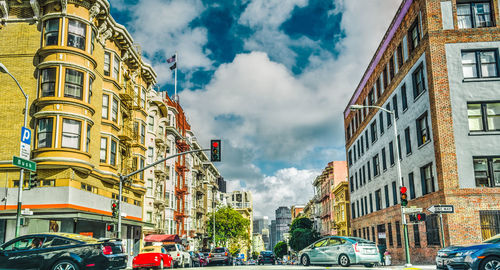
(481, 256)
(340, 250)
(266, 257)
(51, 251)
(203, 259)
(152, 256)
(220, 256)
(251, 262)
(197, 259)
(180, 256)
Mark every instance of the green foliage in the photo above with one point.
(301, 238)
(303, 223)
(255, 255)
(229, 226)
(280, 249)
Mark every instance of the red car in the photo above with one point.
(152, 257)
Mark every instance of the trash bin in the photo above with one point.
(381, 250)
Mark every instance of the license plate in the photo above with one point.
(217, 255)
(371, 251)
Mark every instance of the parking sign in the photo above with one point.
(26, 135)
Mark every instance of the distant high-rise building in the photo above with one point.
(222, 184)
(272, 236)
(283, 222)
(260, 223)
(265, 237)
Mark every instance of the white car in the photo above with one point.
(180, 256)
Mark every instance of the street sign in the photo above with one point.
(408, 210)
(24, 163)
(25, 149)
(441, 209)
(27, 212)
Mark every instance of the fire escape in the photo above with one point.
(181, 189)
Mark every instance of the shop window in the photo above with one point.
(76, 34)
(71, 133)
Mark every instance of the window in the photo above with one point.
(355, 153)
(391, 153)
(151, 124)
(357, 209)
(404, 99)
(395, 105)
(112, 156)
(394, 193)
(373, 128)
(484, 116)
(379, 87)
(427, 179)
(149, 187)
(141, 166)
(371, 203)
(422, 129)
(51, 32)
(104, 150)
(384, 163)
(368, 170)
(381, 122)
(480, 64)
(487, 171)
(432, 230)
(143, 98)
(385, 77)
(107, 63)
(44, 132)
(48, 82)
(411, 184)
(399, 53)
(386, 190)
(371, 98)
(362, 144)
(356, 180)
(416, 235)
(71, 133)
(89, 95)
(389, 115)
(373, 234)
(389, 230)
(143, 133)
(414, 36)
(353, 210)
(381, 234)
(114, 110)
(398, 234)
(149, 216)
(150, 155)
(490, 223)
(378, 199)
(76, 34)
(408, 140)
(376, 165)
(351, 182)
(362, 207)
(88, 188)
(105, 106)
(474, 15)
(364, 175)
(116, 66)
(418, 81)
(87, 145)
(73, 87)
(366, 140)
(399, 147)
(391, 68)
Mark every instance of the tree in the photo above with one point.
(302, 234)
(280, 249)
(230, 226)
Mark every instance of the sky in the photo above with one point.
(270, 78)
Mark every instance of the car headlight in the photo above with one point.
(465, 253)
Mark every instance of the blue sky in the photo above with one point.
(269, 77)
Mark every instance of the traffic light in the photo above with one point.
(404, 196)
(114, 208)
(215, 148)
(33, 182)
(110, 227)
(417, 217)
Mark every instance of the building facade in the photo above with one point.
(296, 211)
(436, 69)
(341, 209)
(283, 222)
(242, 202)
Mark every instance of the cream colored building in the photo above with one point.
(242, 202)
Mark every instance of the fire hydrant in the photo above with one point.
(387, 258)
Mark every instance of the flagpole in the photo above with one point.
(175, 80)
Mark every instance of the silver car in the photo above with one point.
(341, 250)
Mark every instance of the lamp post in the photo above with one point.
(403, 218)
(3, 69)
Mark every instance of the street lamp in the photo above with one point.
(3, 69)
(403, 218)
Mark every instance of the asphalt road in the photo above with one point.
(300, 267)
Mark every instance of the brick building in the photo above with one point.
(437, 69)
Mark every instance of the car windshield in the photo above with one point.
(219, 250)
(266, 253)
(493, 240)
(170, 247)
(361, 240)
(148, 249)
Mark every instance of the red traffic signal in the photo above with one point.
(215, 151)
(403, 189)
(215, 144)
(404, 197)
(110, 227)
(421, 217)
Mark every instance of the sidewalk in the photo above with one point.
(413, 267)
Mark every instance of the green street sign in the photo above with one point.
(24, 163)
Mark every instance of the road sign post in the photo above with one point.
(442, 209)
(23, 162)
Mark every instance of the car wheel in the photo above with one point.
(490, 263)
(65, 265)
(305, 260)
(369, 265)
(344, 260)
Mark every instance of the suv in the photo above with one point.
(266, 257)
(220, 255)
(179, 255)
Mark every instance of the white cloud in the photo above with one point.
(269, 13)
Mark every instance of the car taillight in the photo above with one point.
(355, 246)
(106, 250)
(178, 254)
(210, 255)
(225, 254)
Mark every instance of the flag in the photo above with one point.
(173, 66)
(171, 59)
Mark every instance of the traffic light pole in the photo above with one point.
(124, 179)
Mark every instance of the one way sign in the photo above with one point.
(441, 209)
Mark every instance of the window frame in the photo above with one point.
(478, 64)
(105, 107)
(103, 150)
(424, 179)
(45, 32)
(423, 138)
(490, 171)
(472, 15)
(79, 135)
(418, 73)
(74, 84)
(50, 82)
(76, 35)
(51, 132)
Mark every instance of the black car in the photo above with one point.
(266, 257)
(54, 251)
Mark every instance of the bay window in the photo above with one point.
(71, 133)
(44, 132)
(51, 32)
(76, 34)
(73, 86)
(48, 82)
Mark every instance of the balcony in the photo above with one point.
(199, 189)
(200, 209)
(172, 130)
(240, 205)
(160, 170)
(160, 137)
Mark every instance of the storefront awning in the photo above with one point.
(173, 238)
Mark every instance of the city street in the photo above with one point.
(300, 267)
